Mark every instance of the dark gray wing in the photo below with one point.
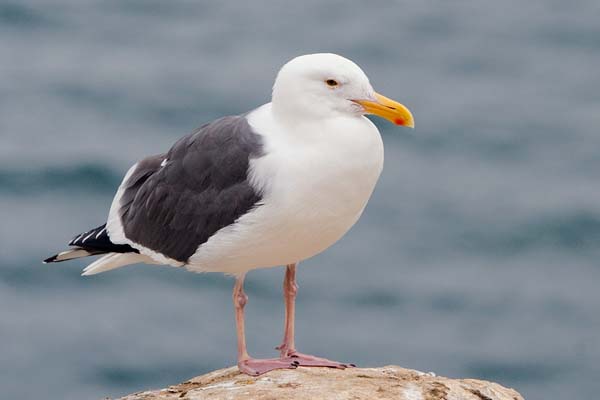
(174, 202)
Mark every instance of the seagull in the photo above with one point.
(271, 187)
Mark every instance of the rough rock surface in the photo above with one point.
(389, 382)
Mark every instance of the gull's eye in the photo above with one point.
(331, 82)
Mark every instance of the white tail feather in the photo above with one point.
(71, 254)
(112, 261)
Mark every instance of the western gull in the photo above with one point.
(268, 188)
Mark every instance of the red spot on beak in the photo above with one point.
(399, 121)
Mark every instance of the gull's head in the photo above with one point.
(327, 85)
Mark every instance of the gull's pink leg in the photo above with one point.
(247, 364)
(288, 347)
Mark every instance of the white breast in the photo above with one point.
(315, 181)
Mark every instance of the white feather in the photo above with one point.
(71, 254)
(115, 260)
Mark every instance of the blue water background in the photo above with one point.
(478, 255)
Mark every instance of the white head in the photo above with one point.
(327, 85)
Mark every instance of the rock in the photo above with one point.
(389, 382)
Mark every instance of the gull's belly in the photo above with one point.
(315, 215)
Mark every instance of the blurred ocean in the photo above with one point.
(478, 255)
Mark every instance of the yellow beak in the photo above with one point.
(388, 109)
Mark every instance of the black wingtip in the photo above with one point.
(50, 259)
